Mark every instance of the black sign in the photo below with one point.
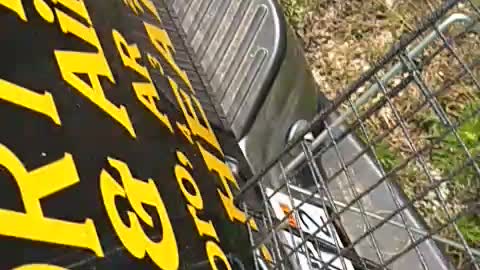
(107, 156)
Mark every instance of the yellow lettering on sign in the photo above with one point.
(77, 6)
(183, 175)
(94, 65)
(40, 103)
(203, 227)
(15, 6)
(186, 105)
(39, 267)
(186, 132)
(87, 33)
(148, 95)
(215, 252)
(44, 10)
(145, 91)
(226, 178)
(129, 54)
(164, 253)
(155, 63)
(194, 199)
(35, 186)
(164, 46)
(137, 8)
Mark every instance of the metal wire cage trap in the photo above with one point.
(369, 184)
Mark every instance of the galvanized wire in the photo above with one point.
(331, 169)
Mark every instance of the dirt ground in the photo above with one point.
(344, 38)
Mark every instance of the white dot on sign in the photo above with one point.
(44, 154)
(44, 10)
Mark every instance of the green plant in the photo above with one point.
(470, 229)
(295, 11)
(450, 154)
(383, 153)
(387, 158)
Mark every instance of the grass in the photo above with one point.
(470, 228)
(387, 158)
(342, 38)
(452, 154)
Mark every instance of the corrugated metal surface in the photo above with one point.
(238, 45)
(184, 59)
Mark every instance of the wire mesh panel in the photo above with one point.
(387, 176)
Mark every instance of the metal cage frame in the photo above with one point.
(325, 159)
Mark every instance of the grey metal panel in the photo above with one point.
(239, 45)
(184, 60)
(392, 239)
(293, 96)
